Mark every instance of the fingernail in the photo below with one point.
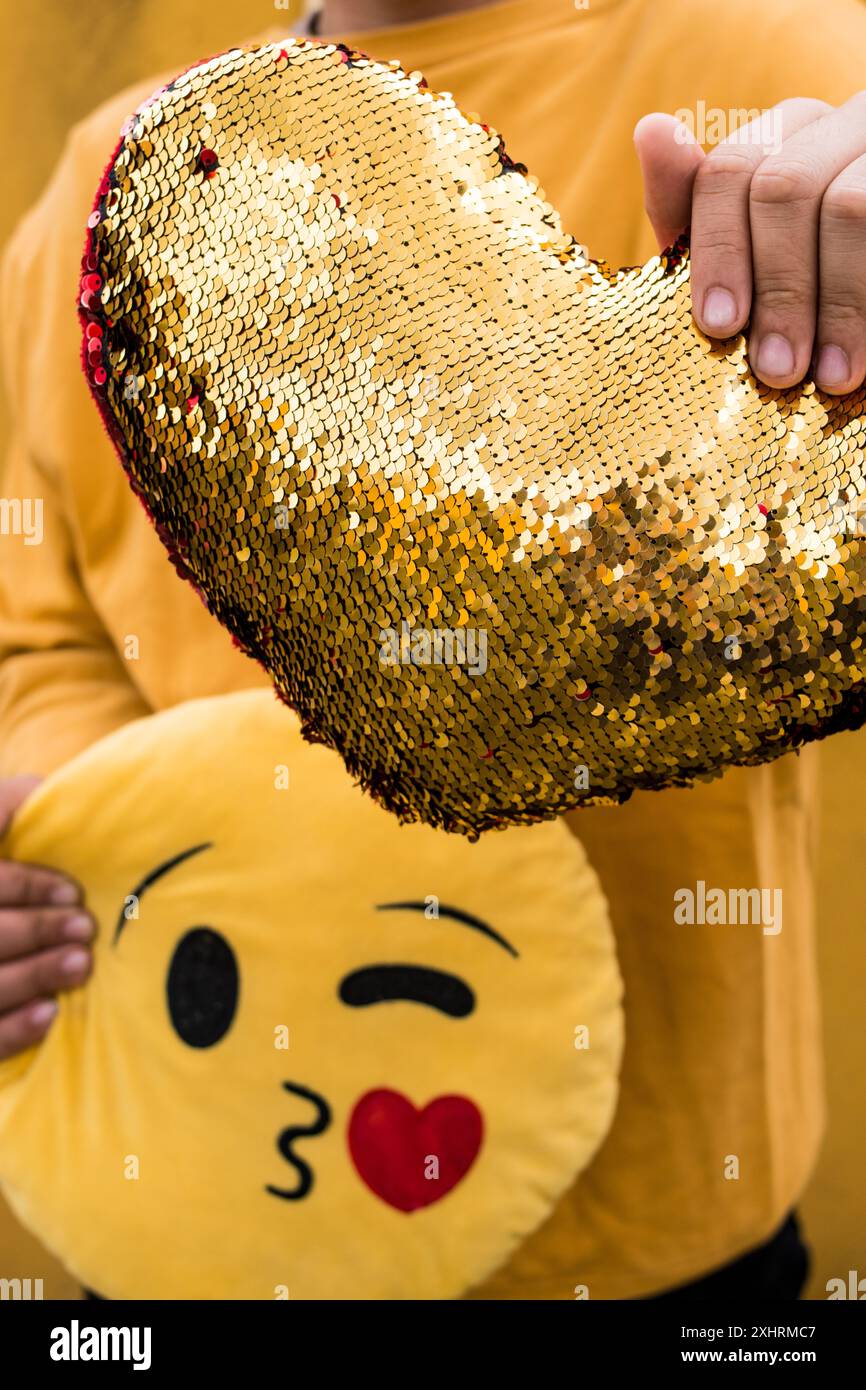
(775, 356)
(42, 1013)
(74, 962)
(64, 894)
(78, 928)
(720, 310)
(833, 369)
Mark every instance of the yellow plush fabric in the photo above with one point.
(321, 1055)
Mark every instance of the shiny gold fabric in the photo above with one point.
(504, 528)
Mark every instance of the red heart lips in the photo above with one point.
(412, 1158)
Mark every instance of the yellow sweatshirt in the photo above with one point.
(720, 1111)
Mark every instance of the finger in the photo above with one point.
(840, 352)
(25, 930)
(13, 792)
(721, 239)
(64, 967)
(26, 1026)
(669, 156)
(30, 885)
(785, 202)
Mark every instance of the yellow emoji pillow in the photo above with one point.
(321, 1055)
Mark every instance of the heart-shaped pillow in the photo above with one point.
(505, 529)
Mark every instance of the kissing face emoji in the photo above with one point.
(321, 1055)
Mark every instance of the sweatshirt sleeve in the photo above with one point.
(62, 683)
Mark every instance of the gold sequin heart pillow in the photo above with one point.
(505, 529)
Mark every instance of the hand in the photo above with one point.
(43, 937)
(778, 234)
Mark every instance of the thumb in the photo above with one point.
(14, 791)
(669, 158)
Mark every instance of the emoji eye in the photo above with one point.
(202, 987)
(416, 984)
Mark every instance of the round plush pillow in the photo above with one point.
(505, 529)
(321, 1055)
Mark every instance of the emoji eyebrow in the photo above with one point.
(153, 877)
(456, 915)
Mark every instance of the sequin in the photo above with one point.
(488, 511)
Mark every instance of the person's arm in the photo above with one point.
(62, 684)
